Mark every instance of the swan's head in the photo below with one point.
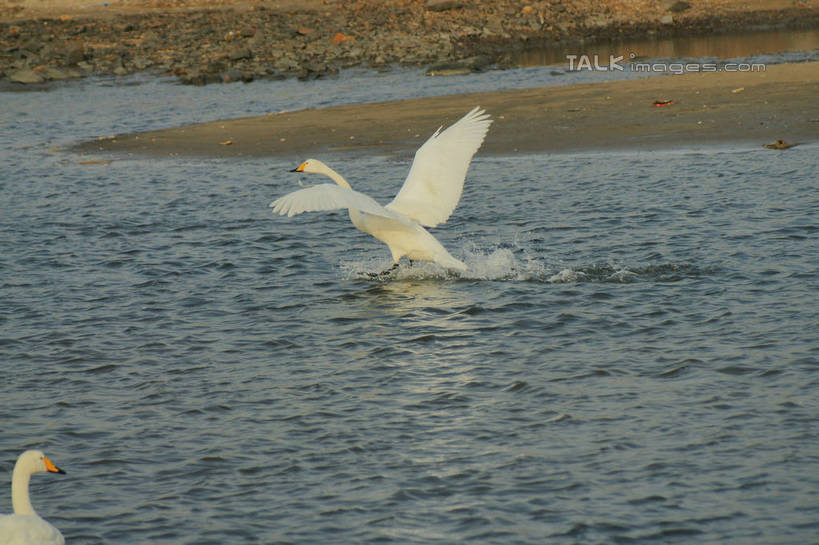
(311, 166)
(34, 461)
(317, 167)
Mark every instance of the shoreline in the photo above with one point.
(241, 40)
(709, 108)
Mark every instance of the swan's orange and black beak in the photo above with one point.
(300, 168)
(51, 468)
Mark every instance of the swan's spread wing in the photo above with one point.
(329, 197)
(436, 178)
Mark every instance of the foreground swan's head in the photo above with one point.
(34, 461)
(28, 463)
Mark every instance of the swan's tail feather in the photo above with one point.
(451, 263)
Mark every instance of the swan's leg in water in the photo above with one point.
(383, 273)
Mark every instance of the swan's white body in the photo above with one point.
(25, 527)
(428, 197)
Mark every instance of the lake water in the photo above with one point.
(632, 356)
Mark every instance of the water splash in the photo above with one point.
(504, 264)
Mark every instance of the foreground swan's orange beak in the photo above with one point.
(51, 468)
(300, 168)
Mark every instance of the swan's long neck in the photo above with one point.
(355, 215)
(19, 491)
(336, 177)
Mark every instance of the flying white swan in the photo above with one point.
(429, 195)
(25, 527)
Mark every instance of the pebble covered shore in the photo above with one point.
(242, 41)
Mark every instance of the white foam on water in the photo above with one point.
(502, 263)
(490, 264)
(567, 276)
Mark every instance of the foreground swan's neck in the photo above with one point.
(335, 176)
(19, 491)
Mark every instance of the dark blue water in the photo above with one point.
(632, 357)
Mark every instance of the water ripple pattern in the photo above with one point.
(632, 356)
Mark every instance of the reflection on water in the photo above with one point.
(408, 296)
(721, 46)
(395, 296)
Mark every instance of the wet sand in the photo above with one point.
(709, 109)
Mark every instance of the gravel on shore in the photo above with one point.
(231, 40)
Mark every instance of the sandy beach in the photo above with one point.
(241, 40)
(709, 108)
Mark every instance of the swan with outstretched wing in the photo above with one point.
(428, 197)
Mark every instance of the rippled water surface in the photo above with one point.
(632, 356)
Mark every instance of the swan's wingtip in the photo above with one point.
(479, 114)
(278, 207)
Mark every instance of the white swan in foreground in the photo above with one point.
(429, 195)
(25, 527)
